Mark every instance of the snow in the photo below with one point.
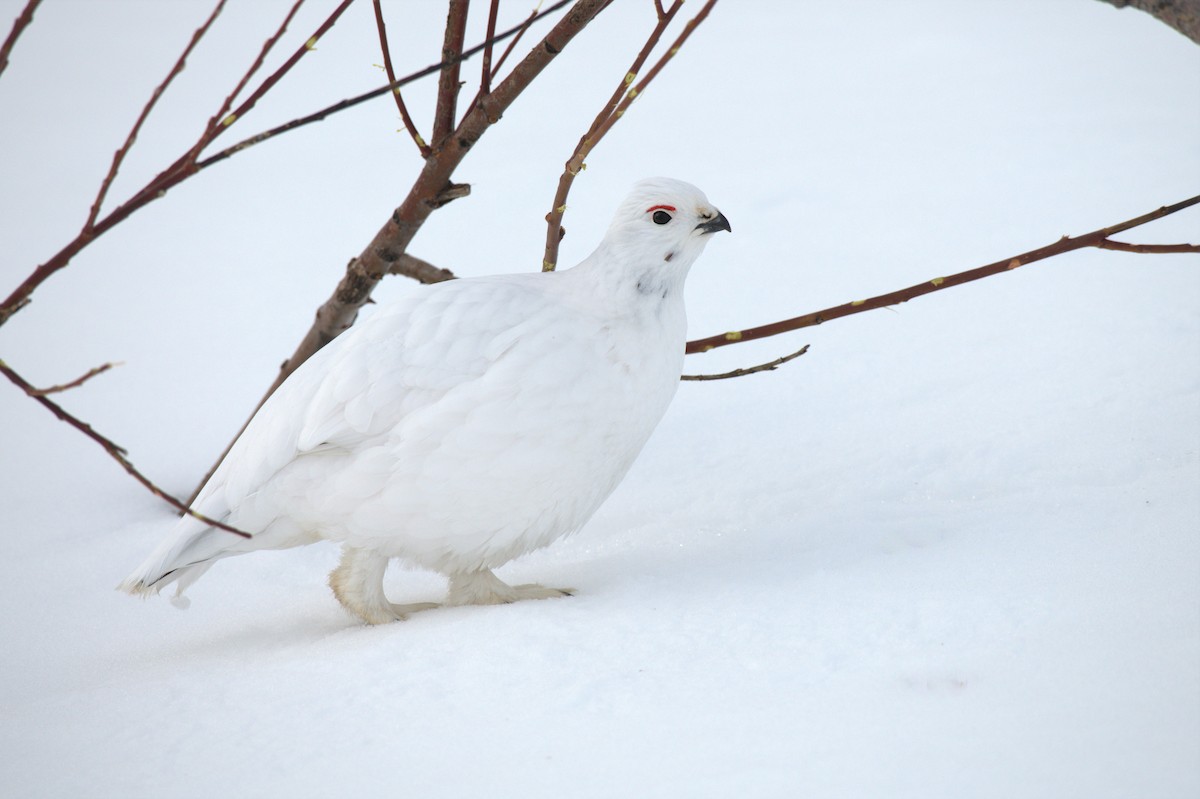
(952, 551)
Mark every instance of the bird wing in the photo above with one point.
(390, 369)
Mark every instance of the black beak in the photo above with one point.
(718, 222)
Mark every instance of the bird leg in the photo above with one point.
(357, 582)
(484, 588)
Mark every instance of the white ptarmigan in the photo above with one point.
(467, 424)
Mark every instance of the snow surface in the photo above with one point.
(953, 551)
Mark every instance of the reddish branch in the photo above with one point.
(448, 85)
(184, 167)
(22, 21)
(1097, 238)
(608, 116)
(342, 105)
(119, 157)
(409, 125)
(769, 366)
(116, 452)
(485, 70)
(1157, 249)
(187, 165)
(76, 383)
(223, 119)
(575, 164)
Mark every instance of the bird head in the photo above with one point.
(663, 225)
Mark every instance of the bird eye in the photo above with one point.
(661, 217)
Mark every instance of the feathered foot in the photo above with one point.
(485, 588)
(357, 582)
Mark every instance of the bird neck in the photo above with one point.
(632, 278)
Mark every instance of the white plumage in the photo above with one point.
(469, 423)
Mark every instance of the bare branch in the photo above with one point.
(19, 24)
(524, 26)
(770, 366)
(221, 121)
(268, 45)
(608, 117)
(636, 91)
(1109, 244)
(350, 102)
(184, 167)
(411, 266)
(116, 452)
(575, 164)
(409, 125)
(448, 86)
(119, 157)
(1065, 244)
(76, 383)
(485, 71)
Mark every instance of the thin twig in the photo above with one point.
(423, 271)
(19, 24)
(608, 116)
(634, 92)
(445, 111)
(409, 125)
(524, 26)
(351, 102)
(222, 113)
(118, 453)
(1065, 244)
(76, 383)
(184, 167)
(221, 121)
(770, 366)
(492, 71)
(1122, 246)
(485, 70)
(119, 157)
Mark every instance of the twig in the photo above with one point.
(351, 102)
(608, 116)
(184, 167)
(485, 70)
(222, 113)
(222, 120)
(119, 157)
(524, 26)
(1066, 244)
(76, 383)
(19, 24)
(770, 366)
(1109, 244)
(493, 71)
(636, 91)
(409, 125)
(116, 452)
(411, 266)
(445, 112)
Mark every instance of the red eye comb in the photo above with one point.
(660, 208)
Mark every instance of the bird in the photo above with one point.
(468, 423)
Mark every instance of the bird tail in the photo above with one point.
(182, 558)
